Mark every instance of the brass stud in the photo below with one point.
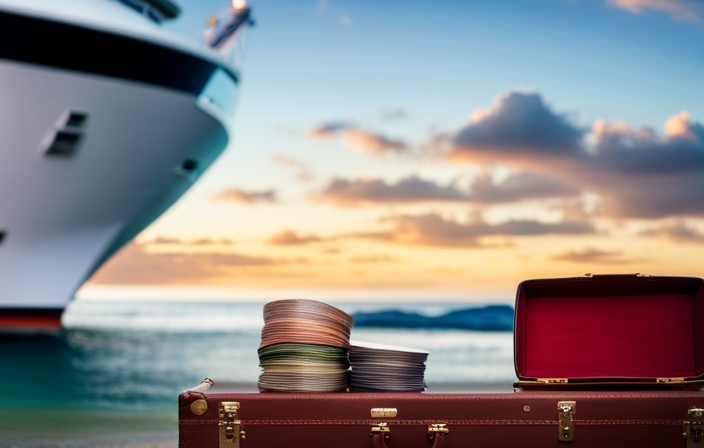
(199, 407)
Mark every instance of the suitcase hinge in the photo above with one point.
(565, 420)
(229, 424)
(669, 380)
(437, 428)
(382, 428)
(694, 430)
(552, 380)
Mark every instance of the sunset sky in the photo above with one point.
(444, 150)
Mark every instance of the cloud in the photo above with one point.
(135, 265)
(640, 174)
(328, 130)
(433, 230)
(371, 143)
(360, 140)
(210, 241)
(345, 20)
(590, 255)
(413, 189)
(518, 187)
(677, 9)
(291, 238)
(245, 197)
(636, 172)
(302, 172)
(409, 189)
(622, 150)
(518, 124)
(373, 259)
(678, 231)
(165, 240)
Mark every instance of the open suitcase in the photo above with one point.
(602, 361)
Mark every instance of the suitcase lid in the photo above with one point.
(609, 329)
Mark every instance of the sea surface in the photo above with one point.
(113, 376)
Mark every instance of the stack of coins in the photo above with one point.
(304, 347)
(386, 368)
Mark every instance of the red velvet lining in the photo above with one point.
(610, 328)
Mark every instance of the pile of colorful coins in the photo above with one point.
(386, 368)
(304, 347)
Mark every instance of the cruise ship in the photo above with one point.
(106, 119)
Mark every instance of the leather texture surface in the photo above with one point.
(527, 420)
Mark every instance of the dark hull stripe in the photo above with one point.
(50, 313)
(32, 320)
(70, 47)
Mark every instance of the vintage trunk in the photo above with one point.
(602, 361)
(650, 419)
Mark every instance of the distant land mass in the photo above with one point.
(487, 318)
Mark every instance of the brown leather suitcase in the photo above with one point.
(642, 419)
(602, 361)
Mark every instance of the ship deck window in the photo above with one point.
(76, 119)
(64, 144)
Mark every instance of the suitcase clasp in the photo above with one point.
(381, 428)
(437, 428)
(565, 420)
(229, 424)
(694, 430)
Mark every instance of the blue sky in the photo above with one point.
(391, 76)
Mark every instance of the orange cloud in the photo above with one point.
(135, 265)
(410, 189)
(371, 143)
(366, 142)
(205, 241)
(373, 259)
(678, 231)
(245, 197)
(434, 230)
(590, 255)
(291, 238)
(413, 189)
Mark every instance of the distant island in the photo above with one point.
(487, 318)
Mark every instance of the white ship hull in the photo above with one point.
(62, 215)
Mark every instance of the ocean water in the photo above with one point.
(119, 366)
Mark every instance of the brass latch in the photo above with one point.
(438, 428)
(669, 380)
(694, 430)
(565, 420)
(229, 424)
(552, 380)
(381, 428)
(384, 412)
